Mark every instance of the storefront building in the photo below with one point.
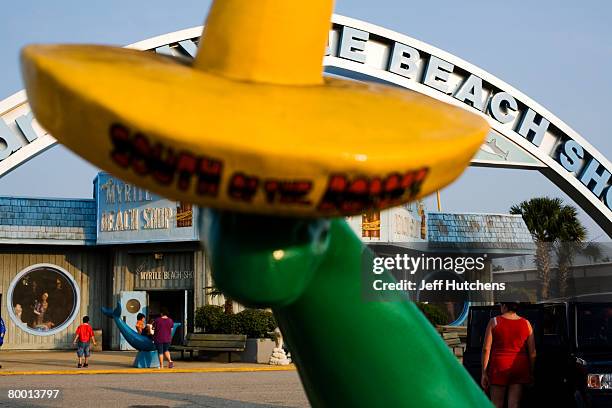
(62, 259)
(410, 230)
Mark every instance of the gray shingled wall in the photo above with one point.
(47, 221)
(477, 228)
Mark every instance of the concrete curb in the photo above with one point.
(87, 371)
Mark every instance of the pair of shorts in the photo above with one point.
(162, 347)
(83, 349)
(506, 369)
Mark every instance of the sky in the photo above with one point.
(559, 53)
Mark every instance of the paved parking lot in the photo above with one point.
(228, 390)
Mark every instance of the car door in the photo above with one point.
(478, 319)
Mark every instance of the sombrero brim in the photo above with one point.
(336, 149)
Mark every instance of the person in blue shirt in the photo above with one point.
(2, 332)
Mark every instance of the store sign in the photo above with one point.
(21, 136)
(406, 226)
(505, 106)
(173, 271)
(399, 224)
(21, 133)
(370, 224)
(164, 275)
(129, 214)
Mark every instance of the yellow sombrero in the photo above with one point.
(245, 128)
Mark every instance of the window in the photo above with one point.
(594, 325)
(43, 299)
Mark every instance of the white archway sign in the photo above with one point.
(525, 135)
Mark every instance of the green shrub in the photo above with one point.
(230, 324)
(210, 318)
(256, 323)
(433, 313)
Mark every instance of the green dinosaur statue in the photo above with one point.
(350, 351)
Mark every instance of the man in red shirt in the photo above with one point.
(84, 334)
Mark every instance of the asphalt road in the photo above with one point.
(228, 390)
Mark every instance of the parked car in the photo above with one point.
(574, 352)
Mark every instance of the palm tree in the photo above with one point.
(539, 215)
(550, 221)
(571, 235)
(592, 251)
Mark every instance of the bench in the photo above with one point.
(211, 342)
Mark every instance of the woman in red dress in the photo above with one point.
(508, 356)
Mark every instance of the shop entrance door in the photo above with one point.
(132, 303)
(177, 302)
